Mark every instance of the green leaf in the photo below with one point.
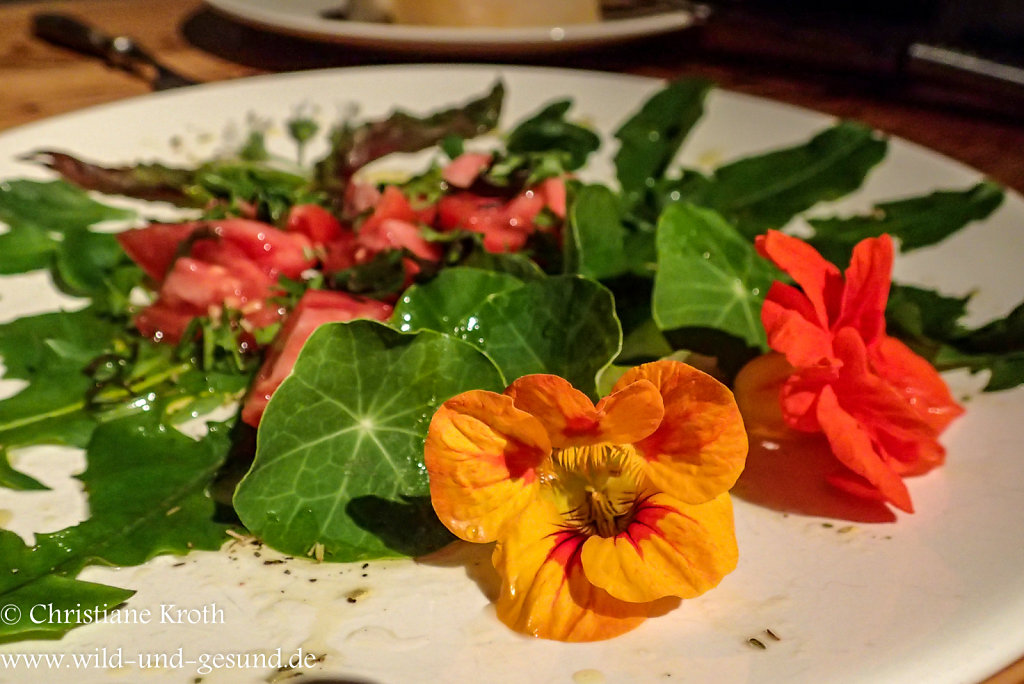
(563, 325)
(444, 304)
(766, 191)
(930, 323)
(14, 479)
(147, 495)
(917, 315)
(339, 456)
(52, 591)
(915, 222)
(709, 275)
(598, 234)
(62, 404)
(51, 350)
(549, 131)
(40, 216)
(651, 138)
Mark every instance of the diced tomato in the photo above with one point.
(465, 169)
(273, 250)
(360, 197)
(505, 225)
(484, 215)
(315, 222)
(553, 192)
(381, 236)
(155, 247)
(163, 322)
(314, 309)
(341, 253)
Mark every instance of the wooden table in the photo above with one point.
(38, 80)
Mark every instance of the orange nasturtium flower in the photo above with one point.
(599, 512)
(835, 371)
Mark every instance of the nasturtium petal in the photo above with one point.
(339, 457)
(867, 288)
(701, 446)
(918, 380)
(544, 590)
(669, 549)
(630, 413)
(567, 414)
(481, 454)
(819, 279)
(852, 445)
(803, 341)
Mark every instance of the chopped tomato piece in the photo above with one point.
(315, 222)
(465, 169)
(155, 247)
(314, 309)
(273, 250)
(381, 236)
(484, 215)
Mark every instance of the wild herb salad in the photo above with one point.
(493, 263)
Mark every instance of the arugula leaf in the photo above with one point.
(251, 189)
(15, 479)
(921, 317)
(651, 138)
(150, 504)
(709, 275)
(50, 350)
(549, 131)
(915, 222)
(42, 215)
(767, 190)
(64, 356)
(563, 325)
(930, 323)
(365, 394)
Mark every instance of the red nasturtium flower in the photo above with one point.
(835, 371)
(599, 512)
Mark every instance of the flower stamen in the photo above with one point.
(601, 482)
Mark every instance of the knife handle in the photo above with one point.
(65, 30)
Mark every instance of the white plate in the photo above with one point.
(934, 597)
(304, 18)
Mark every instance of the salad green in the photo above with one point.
(661, 261)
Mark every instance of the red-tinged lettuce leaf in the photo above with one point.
(147, 491)
(339, 467)
(155, 182)
(709, 276)
(353, 147)
(563, 325)
(916, 222)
